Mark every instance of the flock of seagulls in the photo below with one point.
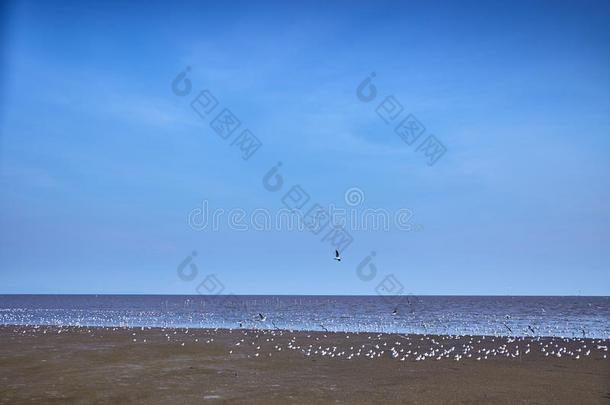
(417, 347)
(260, 343)
(480, 336)
(405, 318)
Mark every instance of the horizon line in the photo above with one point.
(308, 295)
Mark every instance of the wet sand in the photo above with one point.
(163, 366)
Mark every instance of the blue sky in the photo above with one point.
(100, 163)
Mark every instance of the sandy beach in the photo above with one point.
(119, 365)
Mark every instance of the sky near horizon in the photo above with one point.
(102, 164)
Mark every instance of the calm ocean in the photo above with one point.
(490, 315)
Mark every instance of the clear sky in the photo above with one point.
(101, 163)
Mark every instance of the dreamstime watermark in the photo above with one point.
(409, 128)
(188, 271)
(208, 218)
(354, 197)
(225, 124)
(207, 285)
(313, 215)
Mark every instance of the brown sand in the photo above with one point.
(101, 365)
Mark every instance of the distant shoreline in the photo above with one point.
(439, 315)
(304, 295)
(311, 331)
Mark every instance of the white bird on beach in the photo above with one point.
(337, 255)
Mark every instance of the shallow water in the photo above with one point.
(489, 315)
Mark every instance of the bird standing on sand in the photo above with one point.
(337, 255)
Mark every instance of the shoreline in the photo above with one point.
(515, 336)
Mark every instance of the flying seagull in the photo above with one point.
(337, 256)
(262, 317)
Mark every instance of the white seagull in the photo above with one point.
(337, 256)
